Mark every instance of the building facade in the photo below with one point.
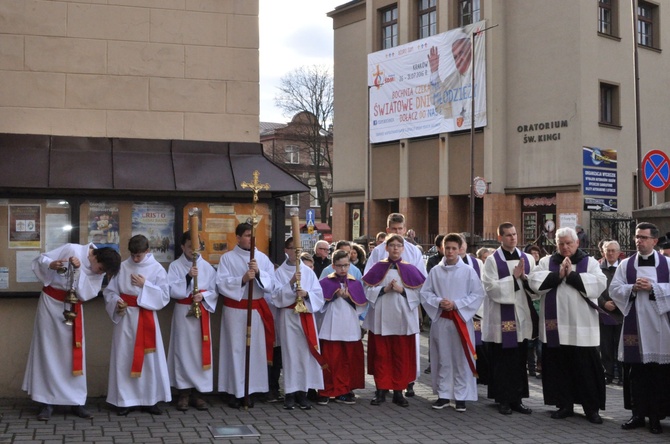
(560, 87)
(293, 146)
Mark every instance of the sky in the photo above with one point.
(293, 33)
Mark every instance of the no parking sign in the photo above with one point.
(656, 170)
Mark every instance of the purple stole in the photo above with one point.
(550, 310)
(473, 260)
(477, 322)
(507, 314)
(631, 339)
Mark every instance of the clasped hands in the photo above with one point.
(566, 268)
(393, 286)
(446, 305)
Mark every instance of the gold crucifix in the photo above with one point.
(255, 187)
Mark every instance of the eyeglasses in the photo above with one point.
(341, 265)
(322, 248)
(641, 237)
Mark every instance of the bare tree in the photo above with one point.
(309, 89)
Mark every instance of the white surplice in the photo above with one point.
(154, 383)
(232, 267)
(653, 323)
(392, 314)
(185, 351)
(451, 375)
(578, 324)
(340, 319)
(48, 378)
(301, 370)
(501, 291)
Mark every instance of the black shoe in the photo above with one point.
(520, 408)
(594, 417)
(289, 401)
(655, 426)
(504, 409)
(460, 406)
(427, 370)
(633, 423)
(312, 395)
(399, 399)
(273, 396)
(380, 396)
(123, 411)
(243, 402)
(80, 411)
(152, 409)
(301, 400)
(45, 413)
(410, 390)
(440, 403)
(562, 413)
(234, 403)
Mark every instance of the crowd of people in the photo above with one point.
(496, 317)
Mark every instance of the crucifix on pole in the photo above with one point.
(255, 187)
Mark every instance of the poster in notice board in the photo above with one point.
(217, 223)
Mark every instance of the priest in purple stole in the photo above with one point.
(570, 282)
(509, 321)
(641, 289)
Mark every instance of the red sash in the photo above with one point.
(77, 330)
(204, 330)
(261, 306)
(307, 321)
(145, 338)
(462, 328)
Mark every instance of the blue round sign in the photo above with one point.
(656, 170)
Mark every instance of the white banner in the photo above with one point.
(425, 87)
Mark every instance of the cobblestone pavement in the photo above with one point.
(334, 423)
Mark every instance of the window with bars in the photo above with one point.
(389, 27)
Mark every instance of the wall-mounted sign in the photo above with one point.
(542, 131)
(479, 186)
(600, 182)
(600, 204)
(598, 157)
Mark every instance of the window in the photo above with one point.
(390, 27)
(605, 17)
(468, 12)
(292, 200)
(608, 17)
(427, 18)
(313, 197)
(647, 14)
(292, 154)
(609, 104)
